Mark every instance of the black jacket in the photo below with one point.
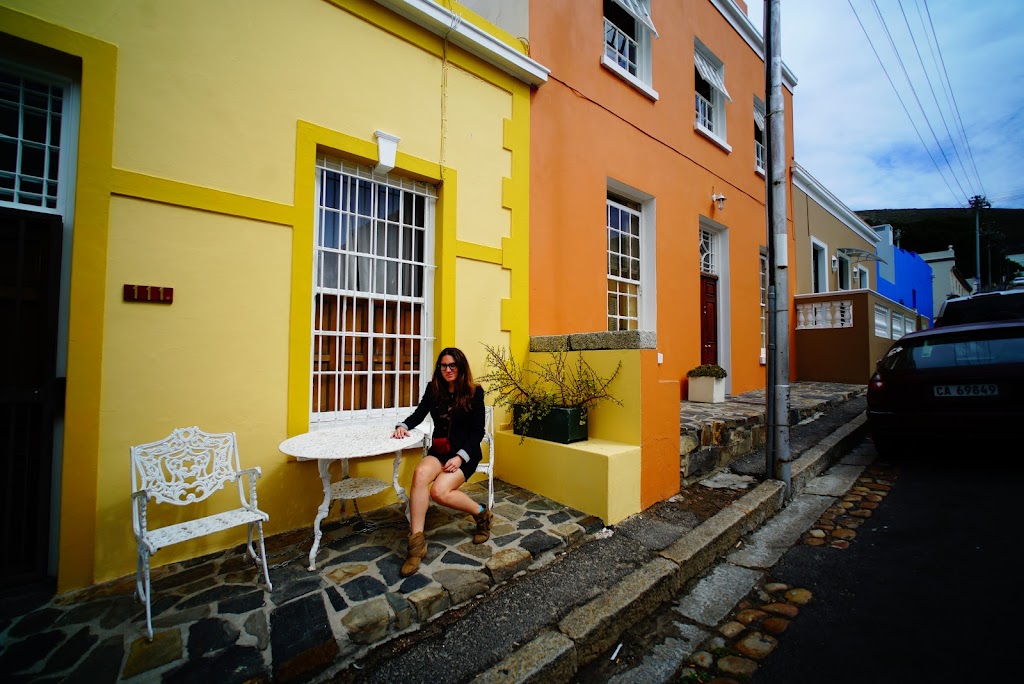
(467, 427)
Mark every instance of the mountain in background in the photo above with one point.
(933, 230)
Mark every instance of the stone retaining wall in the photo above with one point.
(708, 444)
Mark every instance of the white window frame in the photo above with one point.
(881, 321)
(821, 249)
(617, 43)
(760, 149)
(844, 272)
(57, 183)
(710, 114)
(862, 280)
(371, 271)
(897, 325)
(909, 324)
(646, 288)
(709, 261)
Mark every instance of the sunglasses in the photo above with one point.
(448, 366)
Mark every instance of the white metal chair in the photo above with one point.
(186, 467)
(486, 465)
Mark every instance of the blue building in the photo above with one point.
(903, 276)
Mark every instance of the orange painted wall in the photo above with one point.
(589, 125)
(659, 433)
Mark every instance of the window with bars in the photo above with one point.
(710, 96)
(708, 257)
(623, 227)
(628, 30)
(373, 273)
(31, 112)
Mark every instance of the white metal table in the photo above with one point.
(343, 443)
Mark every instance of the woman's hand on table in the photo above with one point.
(399, 433)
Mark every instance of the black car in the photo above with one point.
(958, 385)
(1001, 305)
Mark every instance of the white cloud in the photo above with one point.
(853, 133)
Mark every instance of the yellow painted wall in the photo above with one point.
(596, 476)
(601, 475)
(200, 125)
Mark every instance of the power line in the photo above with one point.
(924, 70)
(938, 48)
(902, 104)
(937, 72)
(917, 99)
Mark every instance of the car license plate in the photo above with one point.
(973, 390)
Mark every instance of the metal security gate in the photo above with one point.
(30, 395)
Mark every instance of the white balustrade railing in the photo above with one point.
(837, 314)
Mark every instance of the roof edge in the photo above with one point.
(447, 24)
(814, 189)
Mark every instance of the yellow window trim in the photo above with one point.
(310, 140)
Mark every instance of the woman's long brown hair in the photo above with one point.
(465, 388)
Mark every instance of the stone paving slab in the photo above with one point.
(214, 620)
(212, 616)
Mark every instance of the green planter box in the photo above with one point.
(562, 425)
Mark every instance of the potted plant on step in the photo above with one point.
(707, 383)
(548, 400)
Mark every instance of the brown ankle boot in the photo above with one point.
(483, 526)
(417, 550)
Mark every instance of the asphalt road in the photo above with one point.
(928, 590)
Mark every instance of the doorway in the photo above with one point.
(708, 319)
(31, 397)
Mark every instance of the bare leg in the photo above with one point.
(426, 472)
(447, 493)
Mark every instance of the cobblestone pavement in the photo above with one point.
(756, 625)
(213, 619)
(731, 651)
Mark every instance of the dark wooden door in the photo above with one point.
(708, 319)
(30, 395)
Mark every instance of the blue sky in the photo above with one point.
(854, 135)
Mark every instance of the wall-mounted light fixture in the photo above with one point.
(387, 148)
(835, 263)
(718, 199)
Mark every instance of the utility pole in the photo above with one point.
(779, 457)
(978, 202)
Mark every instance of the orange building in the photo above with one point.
(647, 189)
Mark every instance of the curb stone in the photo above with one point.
(593, 628)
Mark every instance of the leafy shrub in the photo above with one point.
(538, 387)
(707, 370)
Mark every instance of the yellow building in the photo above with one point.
(272, 215)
